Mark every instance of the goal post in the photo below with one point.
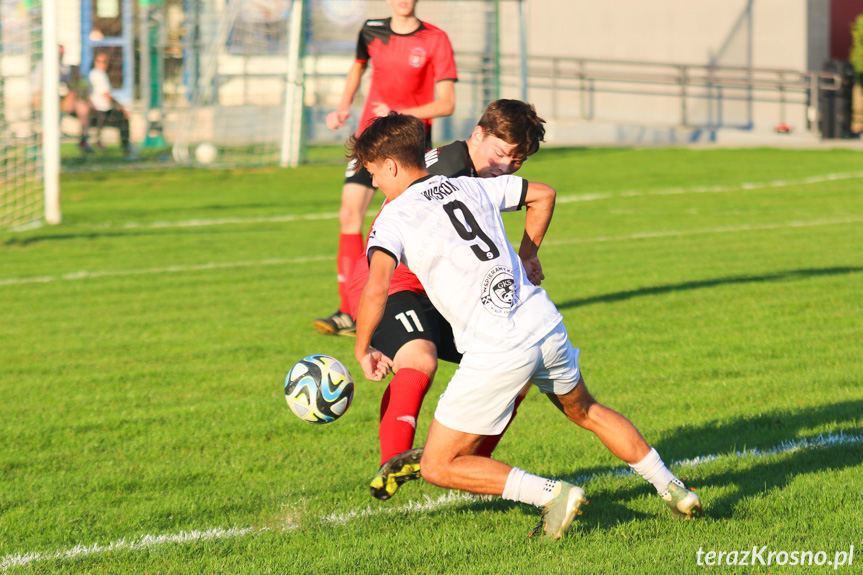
(51, 112)
(292, 131)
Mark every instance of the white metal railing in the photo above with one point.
(717, 84)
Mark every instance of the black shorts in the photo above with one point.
(362, 176)
(409, 316)
(355, 176)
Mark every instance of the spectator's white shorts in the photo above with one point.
(480, 397)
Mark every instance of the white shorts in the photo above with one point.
(480, 397)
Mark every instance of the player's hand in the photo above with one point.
(376, 365)
(336, 120)
(379, 109)
(534, 270)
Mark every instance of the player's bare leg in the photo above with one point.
(448, 461)
(356, 199)
(418, 354)
(616, 432)
(622, 438)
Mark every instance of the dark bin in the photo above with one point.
(834, 106)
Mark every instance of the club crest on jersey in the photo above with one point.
(417, 57)
(498, 291)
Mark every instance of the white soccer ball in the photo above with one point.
(319, 389)
(206, 153)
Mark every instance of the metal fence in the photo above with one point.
(675, 94)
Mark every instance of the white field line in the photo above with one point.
(166, 270)
(564, 241)
(789, 446)
(144, 542)
(716, 230)
(744, 186)
(429, 504)
(561, 199)
(223, 221)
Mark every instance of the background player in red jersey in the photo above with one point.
(412, 331)
(413, 73)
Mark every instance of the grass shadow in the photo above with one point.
(790, 275)
(221, 230)
(762, 431)
(759, 479)
(773, 432)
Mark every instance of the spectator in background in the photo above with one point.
(108, 111)
(73, 93)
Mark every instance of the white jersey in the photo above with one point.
(100, 95)
(449, 232)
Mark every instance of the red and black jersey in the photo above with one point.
(452, 160)
(405, 67)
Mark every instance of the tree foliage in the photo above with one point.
(856, 54)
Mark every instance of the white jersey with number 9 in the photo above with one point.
(450, 234)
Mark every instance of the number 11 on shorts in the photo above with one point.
(406, 317)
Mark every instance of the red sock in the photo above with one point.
(385, 403)
(489, 443)
(399, 419)
(350, 248)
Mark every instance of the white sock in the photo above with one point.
(653, 470)
(526, 488)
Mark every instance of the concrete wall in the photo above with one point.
(775, 34)
(761, 33)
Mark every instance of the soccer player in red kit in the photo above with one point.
(413, 73)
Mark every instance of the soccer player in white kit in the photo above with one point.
(449, 232)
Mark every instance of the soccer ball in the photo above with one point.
(319, 389)
(206, 153)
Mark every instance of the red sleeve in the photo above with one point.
(444, 61)
(359, 276)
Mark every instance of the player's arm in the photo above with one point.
(373, 301)
(442, 105)
(539, 202)
(352, 85)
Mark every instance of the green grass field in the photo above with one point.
(716, 296)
